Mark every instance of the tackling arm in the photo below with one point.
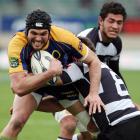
(93, 99)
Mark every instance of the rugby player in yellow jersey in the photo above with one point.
(65, 47)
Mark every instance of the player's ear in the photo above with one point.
(100, 20)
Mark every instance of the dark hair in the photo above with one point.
(113, 7)
(87, 42)
(38, 19)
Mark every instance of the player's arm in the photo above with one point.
(23, 83)
(81, 52)
(93, 99)
(90, 58)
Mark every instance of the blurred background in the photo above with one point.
(75, 15)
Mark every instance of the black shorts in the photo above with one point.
(60, 92)
(129, 130)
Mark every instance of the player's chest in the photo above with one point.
(109, 50)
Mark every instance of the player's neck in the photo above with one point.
(103, 37)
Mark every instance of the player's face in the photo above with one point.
(38, 38)
(111, 26)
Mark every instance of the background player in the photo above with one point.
(108, 45)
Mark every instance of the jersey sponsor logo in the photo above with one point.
(80, 47)
(13, 62)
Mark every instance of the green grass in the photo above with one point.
(42, 126)
(132, 79)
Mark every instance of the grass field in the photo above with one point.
(42, 126)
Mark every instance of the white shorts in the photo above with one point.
(61, 114)
(37, 97)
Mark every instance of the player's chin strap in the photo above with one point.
(61, 138)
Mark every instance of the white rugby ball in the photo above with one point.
(40, 62)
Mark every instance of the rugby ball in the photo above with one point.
(40, 62)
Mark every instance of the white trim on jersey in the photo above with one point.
(84, 33)
(74, 72)
(100, 36)
(118, 105)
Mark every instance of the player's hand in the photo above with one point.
(56, 67)
(94, 102)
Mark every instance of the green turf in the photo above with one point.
(42, 126)
(132, 79)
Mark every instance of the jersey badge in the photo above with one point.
(13, 62)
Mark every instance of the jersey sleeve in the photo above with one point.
(80, 47)
(14, 50)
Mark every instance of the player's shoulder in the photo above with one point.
(85, 32)
(57, 29)
(18, 41)
(61, 34)
(19, 37)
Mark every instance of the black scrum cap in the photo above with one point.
(38, 19)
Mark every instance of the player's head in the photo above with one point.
(38, 25)
(38, 19)
(111, 19)
(113, 8)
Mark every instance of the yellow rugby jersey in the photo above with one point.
(63, 45)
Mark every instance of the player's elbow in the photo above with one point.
(96, 63)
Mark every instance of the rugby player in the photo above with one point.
(108, 46)
(120, 115)
(39, 34)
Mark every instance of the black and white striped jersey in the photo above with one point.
(108, 53)
(113, 92)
